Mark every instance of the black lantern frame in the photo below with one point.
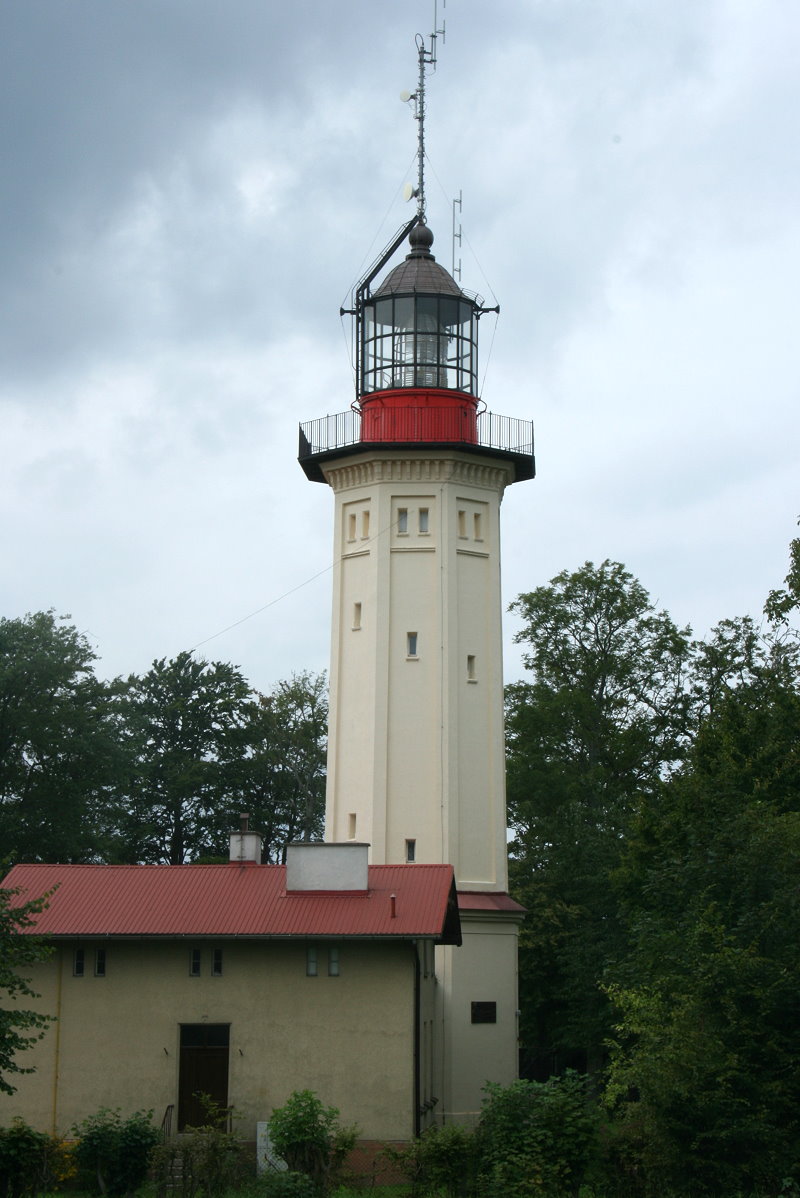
(418, 340)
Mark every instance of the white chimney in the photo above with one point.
(245, 846)
(312, 865)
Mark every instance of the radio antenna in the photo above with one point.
(456, 271)
(426, 57)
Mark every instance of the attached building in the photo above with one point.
(242, 981)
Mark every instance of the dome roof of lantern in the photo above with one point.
(419, 272)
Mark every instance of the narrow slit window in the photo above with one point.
(356, 616)
(462, 523)
(351, 826)
(216, 963)
(195, 961)
(79, 963)
(411, 851)
(470, 667)
(364, 525)
(333, 961)
(100, 963)
(411, 644)
(311, 961)
(351, 526)
(402, 520)
(424, 522)
(477, 527)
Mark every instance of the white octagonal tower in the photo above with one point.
(416, 755)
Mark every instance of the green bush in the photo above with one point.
(535, 1138)
(205, 1160)
(24, 1160)
(442, 1160)
(113, 1152)
(284, 1185)
(309, 1137)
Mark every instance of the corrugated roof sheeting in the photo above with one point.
(231, 900)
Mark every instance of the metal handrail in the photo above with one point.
(507, 434)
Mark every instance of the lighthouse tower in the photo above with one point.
(416, 762)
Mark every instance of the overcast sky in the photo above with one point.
(190, 189)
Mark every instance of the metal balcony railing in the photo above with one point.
(506, 434)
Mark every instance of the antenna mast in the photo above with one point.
(427, 59)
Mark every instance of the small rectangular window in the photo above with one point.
(462, 524)
(424, 523)
(356, 617)
(351, 526)
(365, 524)
(333, 961)
(351, 826)
(100, 963)
(476, 526)
(402, 520)
(411, 850)
(411, 644)
(311, 961)
(470, 667)
(78, 963)
(195, 960)
(216, 963)
(484, 1012)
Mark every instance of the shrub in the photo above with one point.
(113, 1151)
(536, 1138)
(285, 1185)
(205, 1160)
(442, 1160)
(23, 1160)
(308, 1136)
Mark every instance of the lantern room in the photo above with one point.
(418, 353)
(418, 329)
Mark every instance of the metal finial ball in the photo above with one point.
(420, 239)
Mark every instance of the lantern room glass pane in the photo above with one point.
(418, 341)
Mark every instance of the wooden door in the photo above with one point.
(203, 1071)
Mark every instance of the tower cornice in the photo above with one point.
(418, 467)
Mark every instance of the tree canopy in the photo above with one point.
(20, 1027)
(654, 792)
(153, 768)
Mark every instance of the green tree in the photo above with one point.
(603, 720)
(58, 755)
(707, 1044)
(281, 772)
(183, 724)
(20, 1026)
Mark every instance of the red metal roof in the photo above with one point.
(489, 900)
(235, 900)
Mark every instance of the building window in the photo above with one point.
(462, 524)
(424, 522)
(194, 963)
(471, 667)
(351, 826)
(78, 963)
(356, 617)
(484, 1012)
(402, 520)
(333, 961)
(100, 963)
(216, 963)
(365, 524)
(311, 961)
(477, 526)
(411, 644)
(411, 850)
(351, 526)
